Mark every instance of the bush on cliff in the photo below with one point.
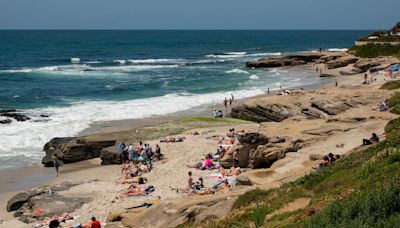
(376, 50)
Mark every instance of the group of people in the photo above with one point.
(326, 160)
(229, 101)
(141, 152)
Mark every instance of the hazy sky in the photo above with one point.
(198, 14)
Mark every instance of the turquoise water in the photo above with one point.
(78, 77)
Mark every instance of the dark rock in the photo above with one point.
(253, 138)
(6, 121)
(289, 60)
(15, 115)
(17, 201)
(44, 116)
(323, 75)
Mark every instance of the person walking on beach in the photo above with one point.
(233, 98)
(230, 102)
(56, 162)
(226, 102)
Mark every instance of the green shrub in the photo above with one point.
(370, 208)
(249, 197)
(376, 50)
(258, 215)
(391, 85)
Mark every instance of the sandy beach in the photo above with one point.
(337, 134)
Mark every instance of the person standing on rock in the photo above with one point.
(56, 162)
(235, 158)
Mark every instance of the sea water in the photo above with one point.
(80, 77)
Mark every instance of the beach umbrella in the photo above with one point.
(140, 158)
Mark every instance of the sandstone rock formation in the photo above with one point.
(72, 149)
(341, 62)
(49, 202)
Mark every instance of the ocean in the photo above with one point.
(79, 77)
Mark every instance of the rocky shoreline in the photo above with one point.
(288, 134)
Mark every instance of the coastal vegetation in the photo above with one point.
(375, 50)
(360, 190)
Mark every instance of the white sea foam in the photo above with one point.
(75, 60)
(141, 61)
(254, 77)
(227, 55)
(237, 71)
(28, 137)
(120, 61)
(93, 62)
(337, 49)
(266, 54)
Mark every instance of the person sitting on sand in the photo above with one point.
(321, 163)
(230, 140)
(144, 168)
(331, 158)
(125, 168)
(384, 106)
(374, 138)
(199, 184)
(215, 113)
(220, 153)
(220, 114)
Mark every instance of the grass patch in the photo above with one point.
(376, 50)
(391, 85)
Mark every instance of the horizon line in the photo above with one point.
(89, 29)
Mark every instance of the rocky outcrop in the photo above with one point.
(110, 156)
(332, 107)
(364, 65)
(48, 203)
(265, 155)
(289, 60)
(16, 115)
(192, 210)
(72, 149)
(263, 113)
(341, 62)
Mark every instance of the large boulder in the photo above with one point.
(21, 198)
(110, 155)
(71, 150)
(265, 155)
(51, 146)
(247, 142)
(243, 180)
(263, 112)
(364, 65)
(341, 62)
